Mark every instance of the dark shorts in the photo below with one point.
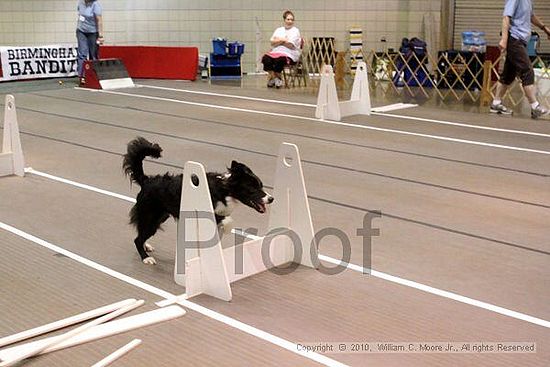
(276, 64)
(517, 64)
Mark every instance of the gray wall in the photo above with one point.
(196, 22)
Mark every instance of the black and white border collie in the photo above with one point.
(160, 195)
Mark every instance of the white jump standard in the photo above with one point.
(11, 157)
(328, 107)
(202, 266)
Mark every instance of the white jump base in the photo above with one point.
(11, 157)
(205, 268)
(328, 107)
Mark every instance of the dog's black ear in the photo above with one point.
(235, 166)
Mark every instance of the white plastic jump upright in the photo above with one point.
(11, 157)
(328, 107)
(203, 267)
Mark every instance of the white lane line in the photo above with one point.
(251, 330)
(365, 127)
(226, 95)
(260, 334)
(375, 273)
(78, 184)
(375, 111)
(441, 122)
(441, 293)
(426, 288)
(115, 274)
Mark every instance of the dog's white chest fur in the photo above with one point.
(227, 209)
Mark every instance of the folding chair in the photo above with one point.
(295, 74)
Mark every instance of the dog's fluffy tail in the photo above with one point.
(138, 149)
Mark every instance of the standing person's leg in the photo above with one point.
(537, 110)
(83, 52)
(507, 77)
(500, 92)
(531, 94)
(525, 71)
(527, 76)
(93, 46)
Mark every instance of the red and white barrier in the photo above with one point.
(156, 62)
(106, 74)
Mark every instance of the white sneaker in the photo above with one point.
(500, 109)
(539, 111)
(278, 83)
(271, 83)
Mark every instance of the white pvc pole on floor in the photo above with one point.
(100, 331)
(72, 333)
(118, 353)
(31, 333)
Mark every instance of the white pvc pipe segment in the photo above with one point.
(118, 353)
(31, 333)
(100, 331)
(61, 338)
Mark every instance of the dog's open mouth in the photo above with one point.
(260, 207)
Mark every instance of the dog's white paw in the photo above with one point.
(227, 225)
(148, 247)
(150, 260)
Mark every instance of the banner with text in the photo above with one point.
(33, 62)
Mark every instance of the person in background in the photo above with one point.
(516, 32)
(286, 47)
(89, 33)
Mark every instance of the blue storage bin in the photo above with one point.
(220, 46)
(473, 41)
(221, 60)
(472, 34)
(235, 48)
(473, 38)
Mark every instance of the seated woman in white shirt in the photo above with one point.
(285, 43)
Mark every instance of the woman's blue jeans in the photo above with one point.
(87, 48)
